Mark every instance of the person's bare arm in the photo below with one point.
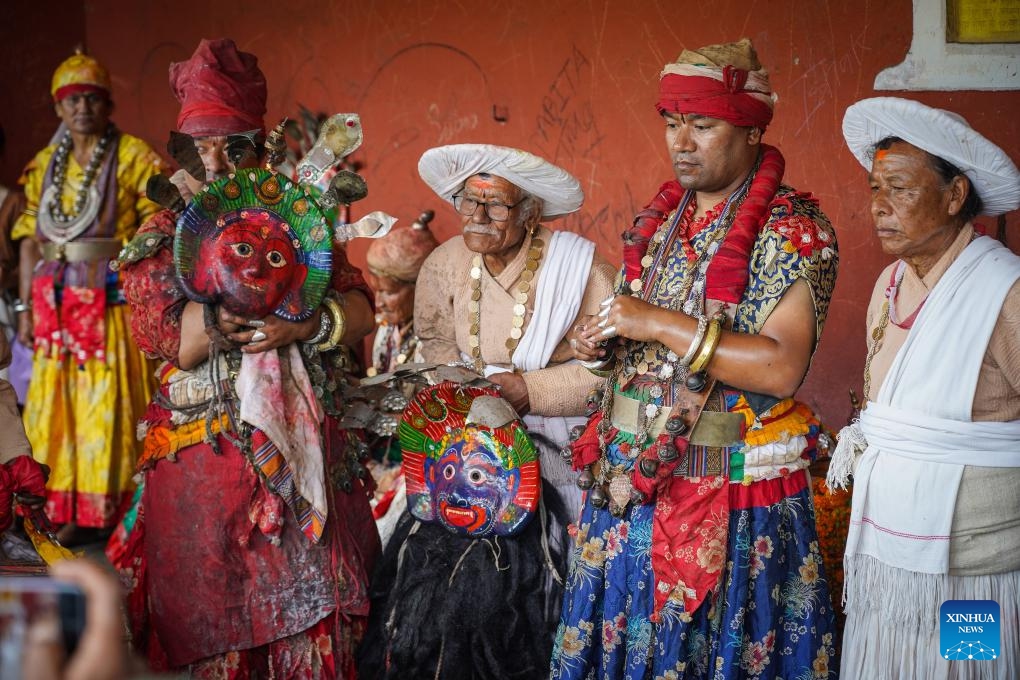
(772, 362)
(29, 256)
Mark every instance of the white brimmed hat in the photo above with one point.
(446, 168)
(940, 133)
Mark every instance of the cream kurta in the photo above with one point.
(985, 538)
(442, 321)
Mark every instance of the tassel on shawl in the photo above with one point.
(849, 446)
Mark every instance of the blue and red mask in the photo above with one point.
(468, 461)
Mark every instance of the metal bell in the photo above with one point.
(576, 431)
(696, 381)
(676, 426)
(648, 467)
(567, 453)
(598, 497)
(637, 498)
(586, 479)
(617, 510)
(667, 452)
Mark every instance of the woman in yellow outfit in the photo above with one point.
(90, 383)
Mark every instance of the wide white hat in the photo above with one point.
(445, 168)
(940, 133)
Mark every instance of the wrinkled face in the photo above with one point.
(709, 155)
(471, 492)
(489, 237)
(394, 300)
(251, 264)
(85, 113)
(913, 209)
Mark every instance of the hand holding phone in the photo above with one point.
(93, 618)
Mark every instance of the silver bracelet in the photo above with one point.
(19, 306)
(699, 335)
(325, 327)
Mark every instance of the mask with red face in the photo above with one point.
(255, 244)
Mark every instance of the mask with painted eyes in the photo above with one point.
(250, 265)
(468, 461)
(256, 244)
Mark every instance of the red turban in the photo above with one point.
(222, 91)
(719, 81)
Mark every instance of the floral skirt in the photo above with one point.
(773, 618)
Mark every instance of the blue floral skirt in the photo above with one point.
(773, 620)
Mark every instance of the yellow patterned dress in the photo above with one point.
(90, 383)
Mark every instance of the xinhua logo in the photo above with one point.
(969, 630)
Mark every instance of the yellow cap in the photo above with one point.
(79, 73)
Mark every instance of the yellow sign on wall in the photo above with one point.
(983, 21)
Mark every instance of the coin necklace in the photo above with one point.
(521, 296)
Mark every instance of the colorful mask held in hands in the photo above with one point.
(468, 461)
(257, 244)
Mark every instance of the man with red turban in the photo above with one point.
(696, 552)
(238, 570)
(90, 384)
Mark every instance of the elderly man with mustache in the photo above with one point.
(508, 293)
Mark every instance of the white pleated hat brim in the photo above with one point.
(446, 168)
(940, 133)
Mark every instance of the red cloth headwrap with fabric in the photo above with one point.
(221, 89)
(723, 81)
(713, 98)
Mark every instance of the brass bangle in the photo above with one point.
(336, 333)
(708, 347)
(696, 341)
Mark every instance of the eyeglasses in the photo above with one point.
(497, 212)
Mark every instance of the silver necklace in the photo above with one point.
(57, 225)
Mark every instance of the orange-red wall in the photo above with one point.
(574, 81)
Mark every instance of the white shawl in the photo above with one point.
(918, 433)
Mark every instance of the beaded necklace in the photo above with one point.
(534, 258)
(57, 225)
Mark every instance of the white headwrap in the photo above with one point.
(446, 168)
(940, 133)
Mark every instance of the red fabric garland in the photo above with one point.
(726, 278)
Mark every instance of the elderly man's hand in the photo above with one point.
(586, 340)
(514, 390)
